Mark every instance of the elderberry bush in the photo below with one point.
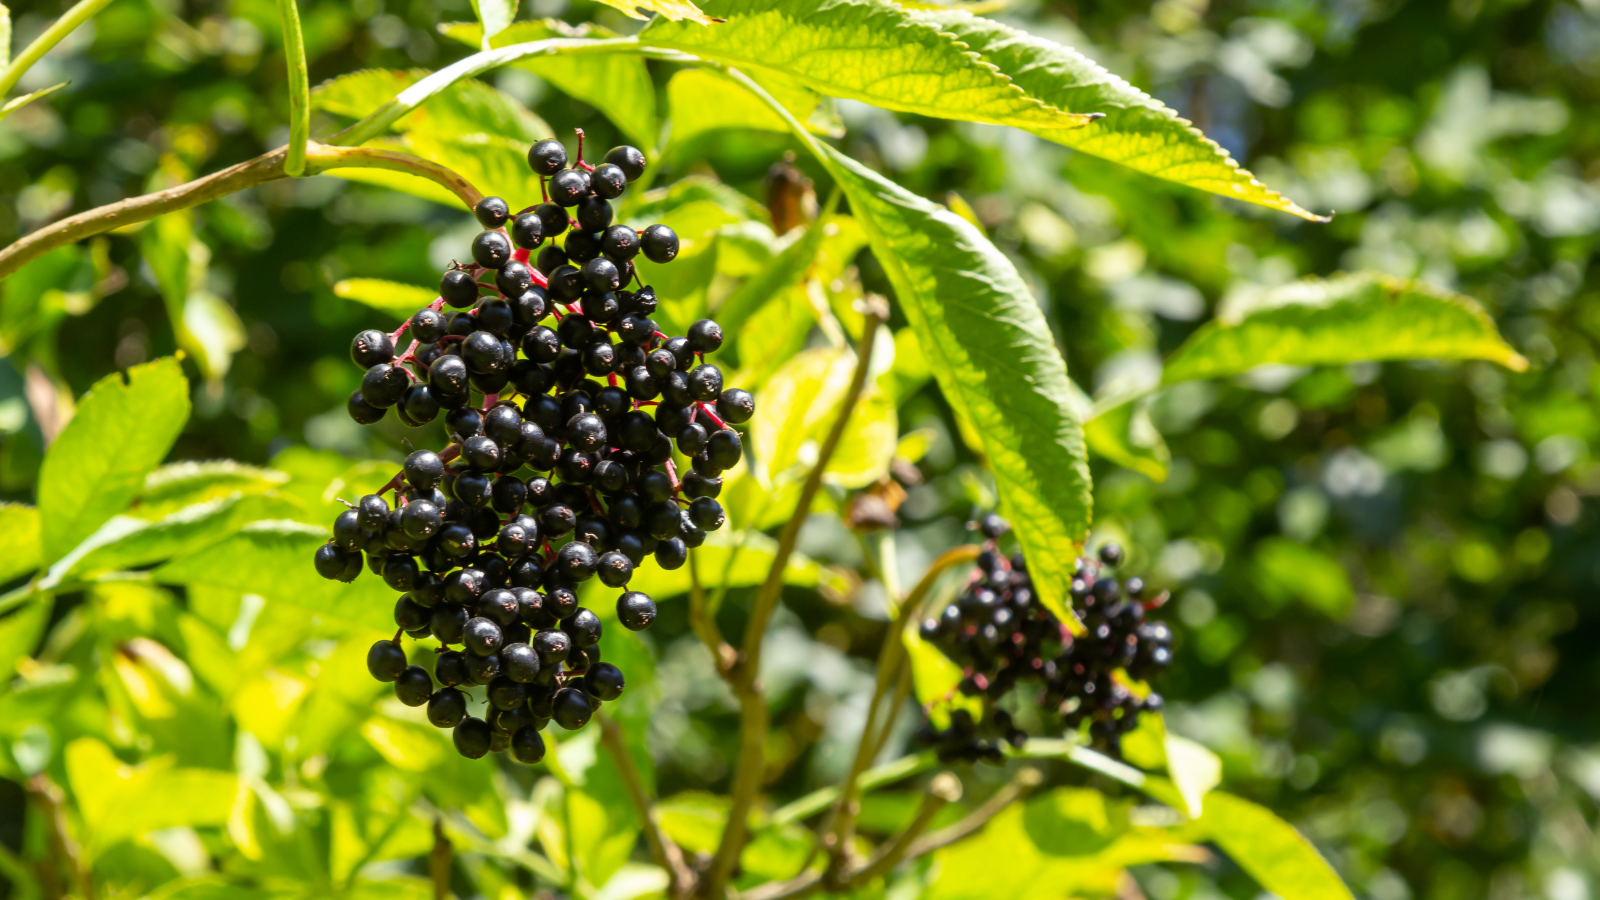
(563, 403)
(1001, 635)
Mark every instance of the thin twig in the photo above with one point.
(1019, 785)
(723, 656)
(752, 703)
(264, 168)
(662, 849)
(944, 788)
(439, 861)
(889, 659)
(63, 847)
(294, 52)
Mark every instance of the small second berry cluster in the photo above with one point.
(1001, 635)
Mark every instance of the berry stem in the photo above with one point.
(712, 416)
(672, 472)
(580, 163)
(489, 400)
(394, 336)
(544, 189)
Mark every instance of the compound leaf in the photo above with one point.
(873, 51)
(1138, 131)
(402, 300)
(1343, 319)
(124, 425)
(20, 525)
(993, 355)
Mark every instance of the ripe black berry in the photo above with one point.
(569, 187)
(660, 244)
(705, 336)
(414, 687)
(458, 288)
(371, 347)
(601, 274)
(472, 738)
(527, 746)
(603, 681)
(447, 708)
(547, 157)
(491, 249)
(630, 160)
(635, 610)
(593, 215)
(608, 180)
(492, 212)
(572, 708)
(385, 660)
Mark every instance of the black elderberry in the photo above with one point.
(582, 246)
(400, 572)
(635, 609)
(527, 231)
(421, 519)
(511, 280)
(414, 687)
(659, 243)
(527, 746)
(736, 406)
(333, 562)
(576, 561)
(447, 708)
(458, 288)
(601, 274)
(569, 186)
(562, 601)
(384, 385)
(608, 180)
(1111, 554)
(614, 568)
(472, 738)
(707, 513)
(491, 249)
(603, 681)
(566, 283)
(705, 336)
(593, 214)
(547, 157)
(371, 347)
(520, 662)
(552, 647)
(386, 660)
(631, 160)
(492, 212)
(620, 243)
(705, 383)
(372, 512)
(724, 449)
(483, 669)
(572, 708)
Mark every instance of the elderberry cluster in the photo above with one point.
(560, 462)
(1000, 634)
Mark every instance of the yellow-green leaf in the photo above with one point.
(402, 300)
(1137, 131)
(1343, 319)
(17, 103)
(123, 427)
(20, 525)
(995, 359)
(1280, 859)
(873, 51)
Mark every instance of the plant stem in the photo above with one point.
(889, 659)
(705, 626)
(1024, 780)
(662, 849)
(379, 120)
(63, 848)
(42, 44)
(260, 170)
(944, 788)
(294, 52)
(439, 861)
(752, 702)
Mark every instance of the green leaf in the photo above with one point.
(992, 352)
(1070, 842)
(401, 300)
(175, 486)
(1137, 131)
(35, 300)
(1277, 856)
(873, 51)
(1343, 319)
(125, 542)
(20, 525)
(1125, 435)
(799, 405)
(934, 678)
(494, 15)
(17, 103)
(206, 326)
(119, 801)
(214, 331)
(274, 558)
(1286, 570)
(673, 10)
(703, 100)
(20, 633)
(124, 425)
(618, 84)
(1194, 769)
(5, 36)
(358, 93)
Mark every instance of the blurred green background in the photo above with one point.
(1383, 576)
